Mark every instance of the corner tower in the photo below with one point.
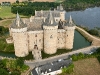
(69, 27)
(50, 35)
(19, 34)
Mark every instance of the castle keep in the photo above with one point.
(47, 31)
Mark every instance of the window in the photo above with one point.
(51, 36)
(35, 35)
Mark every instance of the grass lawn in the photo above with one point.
(5, 12)
(59, 51)
(89, 66)
(6, 23)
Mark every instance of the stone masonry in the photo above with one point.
(47, 31)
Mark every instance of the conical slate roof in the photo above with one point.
(70, 22)
(18, 23)
(50, 20)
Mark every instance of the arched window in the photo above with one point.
(51, 36)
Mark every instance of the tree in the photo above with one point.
(20, 62)
(3, 72)
(17, 1)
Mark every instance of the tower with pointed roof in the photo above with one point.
(69, 33)
(46, 31)
(50, 35)
(19, 34)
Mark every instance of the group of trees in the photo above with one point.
(12, 67)
(80, 4)
(3, 30)
(3, 44)
(30, 7)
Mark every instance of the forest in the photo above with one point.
(29, 8)
(70, 5)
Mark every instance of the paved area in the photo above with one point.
(35, 63)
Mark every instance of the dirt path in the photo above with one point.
(95, 40)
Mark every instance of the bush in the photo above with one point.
(68, 69)
(74, 57)
(10, 48)
(1, 18)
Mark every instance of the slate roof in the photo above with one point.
(50, 67)
(18, 23)
(69, 23)
(46, 13)
(36, 24)
(50, 20)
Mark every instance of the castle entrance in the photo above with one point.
(36, 53)
(35, 47)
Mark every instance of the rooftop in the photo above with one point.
(50, 67)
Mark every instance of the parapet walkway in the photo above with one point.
(95, 41)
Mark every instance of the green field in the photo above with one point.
(5, 13)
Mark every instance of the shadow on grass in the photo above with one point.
(28, 57)
(59, 51)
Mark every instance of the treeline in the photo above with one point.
(70, 5)
(3, 30)
(30, 7)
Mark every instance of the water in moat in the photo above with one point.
(89, 17)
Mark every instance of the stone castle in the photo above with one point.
(46, 30)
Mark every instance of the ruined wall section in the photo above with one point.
(61, 39)
(50, 39)
(35, 38)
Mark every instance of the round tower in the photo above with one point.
(69, 27)
(50, 35)
(19, 34)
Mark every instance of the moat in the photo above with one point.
(77, 45)
(89, 17)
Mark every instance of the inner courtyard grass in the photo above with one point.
(59, 51)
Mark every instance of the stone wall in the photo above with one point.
(61, 39)
(35, 38)
(62, 15)
(20, 44)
